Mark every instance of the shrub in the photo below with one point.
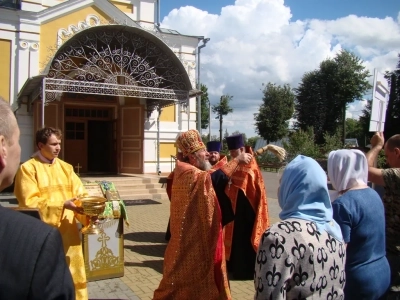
(302, 142)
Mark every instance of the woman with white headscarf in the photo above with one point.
(302, 256)
(360, 213)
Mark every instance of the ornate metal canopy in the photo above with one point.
(116, 60)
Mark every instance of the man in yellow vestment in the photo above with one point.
(50, 184)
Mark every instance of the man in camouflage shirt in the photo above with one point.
(390, 180)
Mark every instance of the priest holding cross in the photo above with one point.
(51, 185)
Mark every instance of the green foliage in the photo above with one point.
(252, 141)
(381, 163)
(205, 107)
(214, 138)
(323, 94)
(364, 124)
(332, 142)
(392, 123)
(301, 142)
(353, 128)
(309, 104)
(222, 109)
(224, 145)
(272, 121)
(205, 138)
(358, 129)
(267, 158)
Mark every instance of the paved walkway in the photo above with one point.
(144, 250)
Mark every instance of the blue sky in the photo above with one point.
(333, 9)
(303, 9)
(260, 41)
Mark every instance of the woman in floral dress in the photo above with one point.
(303, 256)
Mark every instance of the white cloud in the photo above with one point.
(354, 110)
(255, 41)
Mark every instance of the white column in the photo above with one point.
(34, 59)
(22, 63)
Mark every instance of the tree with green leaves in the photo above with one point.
(354, 130)
(364, 124)
(251, 141)
(205, 107)
(272, 120)
(392, 121)
(301, 142)
(309, 104)
(323, 94)
(222, 109)
(205, 138)
(224, 144)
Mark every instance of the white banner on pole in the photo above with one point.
(380, 98)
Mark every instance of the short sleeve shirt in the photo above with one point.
(391, 200)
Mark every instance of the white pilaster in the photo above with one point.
(23, 63)
(34, 59)
(25, 123)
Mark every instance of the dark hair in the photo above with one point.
(393, 142)
(42, 135)
(6, 115)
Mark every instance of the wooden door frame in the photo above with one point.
(88, 105)
(128, 140)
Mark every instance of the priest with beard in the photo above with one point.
(194, 261)
(246, 191)
(216, 159)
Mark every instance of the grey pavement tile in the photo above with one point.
(110, 289)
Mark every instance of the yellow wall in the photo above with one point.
(168, 114)
(167, 149)
(5, 68)
(124, 7)
(49, 30)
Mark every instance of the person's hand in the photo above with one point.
(377, 140)
(69, 204)
(244, 158)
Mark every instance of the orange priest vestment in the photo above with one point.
(246, 180)
(223, 161)
(194, 261)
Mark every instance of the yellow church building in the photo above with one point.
(119, 86)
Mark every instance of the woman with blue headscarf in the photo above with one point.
(302, 256)
(360, 213)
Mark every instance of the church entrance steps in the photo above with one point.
(134, 187)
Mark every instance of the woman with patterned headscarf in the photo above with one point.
(302, 256)
(360, 213)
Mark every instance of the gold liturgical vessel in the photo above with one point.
(93, 207)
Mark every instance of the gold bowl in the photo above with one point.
(93, 207)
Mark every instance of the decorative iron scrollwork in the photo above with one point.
(112, 54)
